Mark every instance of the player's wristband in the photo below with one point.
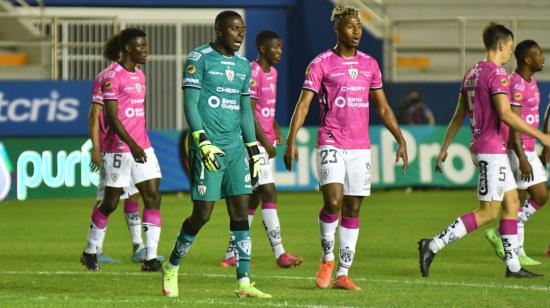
(252, 148)
(199, 136)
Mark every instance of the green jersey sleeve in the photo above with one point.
(193, 70)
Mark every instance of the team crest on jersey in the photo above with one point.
(138, 87)
(108, 85)
(252, 83)
(517, 96)
(202, 189)
(353, 72)
(191, 69)
(114, 177)
(230, 74)
(308, 69)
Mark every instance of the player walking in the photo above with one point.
(263, 95)
(96, 127)
(129, 157)
(484, 97)
(217, 108)
(529, 172)
(346, 81)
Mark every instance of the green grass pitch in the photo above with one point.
(41, 241)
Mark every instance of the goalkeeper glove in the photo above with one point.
(253, 161)
(208, 151)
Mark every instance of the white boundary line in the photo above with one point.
(387, 281)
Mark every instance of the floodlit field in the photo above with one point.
(41, 242)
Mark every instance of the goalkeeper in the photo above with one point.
(224, 155)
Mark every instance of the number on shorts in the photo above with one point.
(116, 160)
(502, 174)
(325, 156)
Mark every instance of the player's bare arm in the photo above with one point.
(260, 134)
(545, 155)
(93, 130)
(517, 146)
(452, 129)
(278, 134)
(297, 121)
(506, 115)
(111, 115)
(388, 118)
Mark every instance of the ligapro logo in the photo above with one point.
(5, 171)
(50, 109)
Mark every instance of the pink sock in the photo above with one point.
(99, 219)
(131, 206)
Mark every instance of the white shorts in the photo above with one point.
(349, 167)
(495, 176)
(539, 172)
(266, 167)
(121, 170)
(128, 191)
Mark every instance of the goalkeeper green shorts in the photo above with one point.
(232, 179)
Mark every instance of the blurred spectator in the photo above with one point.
(412, 110)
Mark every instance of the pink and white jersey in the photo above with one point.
(263, 88)
(97, 98)
(128, 89)
(343, 86)
(480, 83)
(526, 95)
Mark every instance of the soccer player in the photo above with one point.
(484, 98)
(217, 108)
(346, 81)
(263, 94)
(129, 157)
(529, 172)
(96, 127)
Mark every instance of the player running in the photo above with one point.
(263, 95)
(346, 81)
(96, 127)
(529, 172)
(484, 97)
(217, 107)
(128, 158)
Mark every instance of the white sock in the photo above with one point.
(273, 230)
(510, 242)
(94, 236)
(453, 232)
(230, 252)
(100, 241)
(327, 230)
(152, 236)
(521, 238)
(529, 208)
(348, 240)
(134, 226)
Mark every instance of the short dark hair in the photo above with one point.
(264, 37)
(220, 19)
(342, 12)
(127, 35)
(522, 49)
(494, 33)
(112, 49)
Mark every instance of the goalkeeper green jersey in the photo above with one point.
(222, 80)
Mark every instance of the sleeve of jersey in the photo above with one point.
(247, 119)
(97, 95)
(255, 85)
(193, 70)
(314, 76)
(191, 109)
(498, 82)
(516, 96)
(376, 82)
(110, 87)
